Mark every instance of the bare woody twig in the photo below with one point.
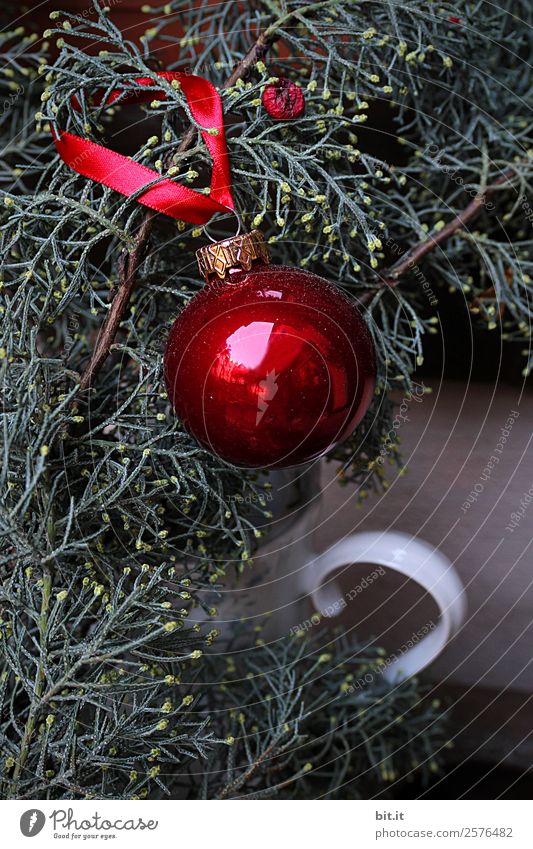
(130, 261)
(410, 259)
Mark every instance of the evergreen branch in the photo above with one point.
(29, 728)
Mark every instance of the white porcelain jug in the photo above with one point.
(291, 587)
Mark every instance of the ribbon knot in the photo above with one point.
(118, 172)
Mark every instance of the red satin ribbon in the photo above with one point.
(127, 177)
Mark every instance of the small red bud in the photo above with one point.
(284, 100)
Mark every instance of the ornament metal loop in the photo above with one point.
(227, 214)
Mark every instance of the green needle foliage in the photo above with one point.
(306, 726)
(113, 521)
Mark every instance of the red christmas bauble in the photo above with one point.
(270, 366)
(284, 100)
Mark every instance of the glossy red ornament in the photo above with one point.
(284, 100)
(269, 367)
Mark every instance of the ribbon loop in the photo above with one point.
(122, 174)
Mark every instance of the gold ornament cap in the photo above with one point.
(236, 253)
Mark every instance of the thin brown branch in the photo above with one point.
(250, 772)
(130, 261)
(411, 258)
